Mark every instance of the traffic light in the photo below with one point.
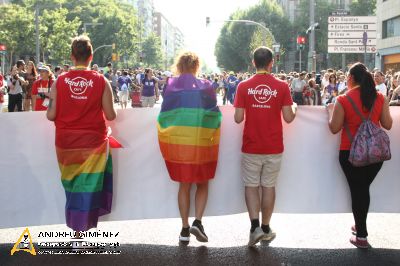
(278, 57)
(207, 21)
(114, 57)
(113, 46)
(301, 40)
(3, 47)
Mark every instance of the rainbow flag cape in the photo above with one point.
(86, 175)
(189, 129)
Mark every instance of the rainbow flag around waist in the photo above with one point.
(189, 129)
(86, 175)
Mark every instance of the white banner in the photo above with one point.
(310, 180)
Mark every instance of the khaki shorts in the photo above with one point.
(148, 101)
(260, 169)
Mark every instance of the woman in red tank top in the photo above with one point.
(370, 102)
(80, 101)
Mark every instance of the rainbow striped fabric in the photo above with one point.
(189, 129)
(86, 175)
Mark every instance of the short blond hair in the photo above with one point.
(187, 62)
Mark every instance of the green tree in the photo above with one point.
(363, 7)
(56, 34)
(237, 40)
(17, 30)
(57, 27)
(152, 52)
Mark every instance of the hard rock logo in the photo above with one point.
(262, 93)
(78, 85)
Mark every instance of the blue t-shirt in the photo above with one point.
(149, 87)
(232, 83)
(124, 80)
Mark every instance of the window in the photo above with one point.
(391, 27)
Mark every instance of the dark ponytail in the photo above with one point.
(364, 79)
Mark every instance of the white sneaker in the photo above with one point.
(256, 236)
(270, 236)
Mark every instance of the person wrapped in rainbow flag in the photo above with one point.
(189, 132)
(80, 101)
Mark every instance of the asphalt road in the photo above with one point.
(301, 240)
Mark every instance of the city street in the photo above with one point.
(312, 239)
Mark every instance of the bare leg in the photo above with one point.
(267, 204)
(184, 202)
(253, 202)
(201, 199)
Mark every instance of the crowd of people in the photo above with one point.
(27, 85)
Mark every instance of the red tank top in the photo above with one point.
(351, 117)
(80, 119)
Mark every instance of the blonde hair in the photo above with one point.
(186, 62)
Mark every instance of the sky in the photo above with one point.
(190, 17)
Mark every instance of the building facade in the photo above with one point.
(172, 40)
(388, 35)
(145, 13)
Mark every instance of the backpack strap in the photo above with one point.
(346, 126)
(355, 108)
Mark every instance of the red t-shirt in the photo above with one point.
(79, 119)
(40, 86)
(351, 117)
(263, 96)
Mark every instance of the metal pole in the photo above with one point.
(37, 34)
(365, 55)
(311, 63)
(300, 61)
(3, 62)
(343, 62)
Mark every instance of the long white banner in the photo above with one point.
(310, 181)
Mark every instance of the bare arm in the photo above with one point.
(336, 117)
(239, 115)
(157, 91)
(386, 119)
(34, 102)
(289, 112)
(108, 102)
(51, 109)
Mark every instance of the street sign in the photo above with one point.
(355, 20)
(340, 13)
(352, 27)
(350, 35)
(347, 42)
(351, 49)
